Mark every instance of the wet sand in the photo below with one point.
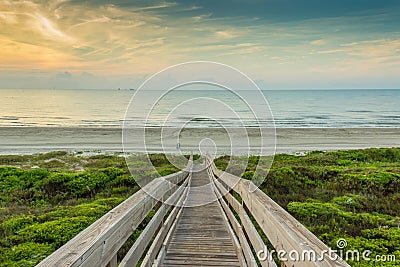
(29, 140)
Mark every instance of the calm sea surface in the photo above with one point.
(106, 108)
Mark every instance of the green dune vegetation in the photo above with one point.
(353, 195)
(46, 199)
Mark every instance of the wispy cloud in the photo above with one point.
(319, 42)
(199, 18)
(47, 27)
(142, 37)
(374, 48)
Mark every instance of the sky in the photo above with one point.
(280, 44)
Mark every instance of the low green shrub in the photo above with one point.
(13, 225)
(28, 253)
(56, 232)
(87, 210)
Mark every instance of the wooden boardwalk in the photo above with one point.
(202, 236)
(191, 227)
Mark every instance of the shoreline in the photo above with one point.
(32, 140)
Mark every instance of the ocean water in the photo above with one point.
(200, 108)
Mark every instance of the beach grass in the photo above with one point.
(46, 199)
(352, 194)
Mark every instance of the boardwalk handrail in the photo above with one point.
(283, 231)
(98, 244)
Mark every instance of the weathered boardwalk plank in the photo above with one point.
(201, 237)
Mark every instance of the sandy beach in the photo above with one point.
(29, 140)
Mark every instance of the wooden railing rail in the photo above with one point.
(283, 231)
(98, 244)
